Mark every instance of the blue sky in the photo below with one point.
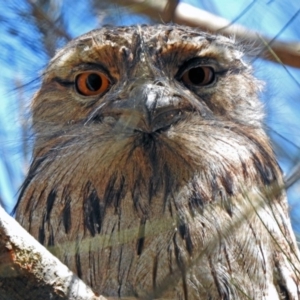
(20, 63)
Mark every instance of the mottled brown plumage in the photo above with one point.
(162, 183)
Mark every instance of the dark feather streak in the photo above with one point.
(41, 236)
(185, 234)
(50, 201)
(181, 267)
(66, 214)
(78, 264)
(141, 236)
(265, 172)
(92, 210)
(114, 191)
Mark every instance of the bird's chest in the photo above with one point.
(153, 239)
(167, 253)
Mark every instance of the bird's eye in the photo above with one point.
(92, 83)
(198, 76)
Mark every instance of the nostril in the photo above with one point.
(176, 95)
(158, 83)
(97, 119)
(166, 118)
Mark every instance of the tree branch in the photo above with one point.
(29, 271)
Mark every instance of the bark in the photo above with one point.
(29, 271)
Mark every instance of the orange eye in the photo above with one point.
(92, 83)
(199, 76)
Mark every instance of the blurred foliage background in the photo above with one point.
(32, 30)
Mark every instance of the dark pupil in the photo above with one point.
(196, 75)
(93, 82)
